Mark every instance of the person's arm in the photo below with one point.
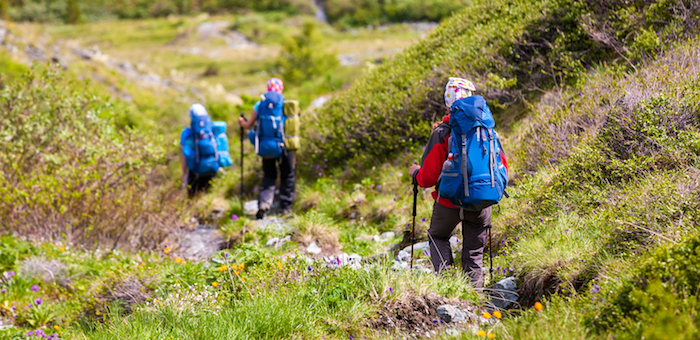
(248, 124)
(434, 156)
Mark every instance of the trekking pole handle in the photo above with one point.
(243, 116)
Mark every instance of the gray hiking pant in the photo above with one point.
(474, 233)
(287, 178)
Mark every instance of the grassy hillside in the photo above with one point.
(514, 52)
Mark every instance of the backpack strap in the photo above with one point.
(492, 157)
(463, 162)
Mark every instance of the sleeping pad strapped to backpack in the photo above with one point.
(476, 177)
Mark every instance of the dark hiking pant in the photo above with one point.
(198, 183)
(474, 232)
(267, 192)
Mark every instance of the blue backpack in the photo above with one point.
(199, 143)
(477, 177)
(268, 135)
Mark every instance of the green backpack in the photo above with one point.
(292, 125)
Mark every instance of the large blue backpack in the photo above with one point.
(268, 135)
(477, 178)
(200, 150)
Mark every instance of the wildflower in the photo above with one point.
(320, 174)
(178, 260)
(491, 335)
(309, 268)
(142, 263)
(215, 284)
(538, 305)
(391, 290)
(167, 250)
(38, 301)
(497, 314)
(234, 217)
(29, 305)
(486, 315)
(35, 288)
(481, 333)
(3, 291)
(242, 266)
(423, 220)
(63, 249)
(56, 327)
(394, 199)
(391, 174)
(184, 262)
(242, 279)
(325, 160)
(30, 333)
(235, 272)
(222, 268)
(279, 264)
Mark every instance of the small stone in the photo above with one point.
(403, 256)
(313, 248)
(250, 207)
(355, 258)
(447, 313)
(504, 293)
(364, 237)
(387, 236)
(271, 242)
(417, 246)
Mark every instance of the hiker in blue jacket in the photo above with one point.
(268, 138)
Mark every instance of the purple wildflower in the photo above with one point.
(426, 253)
(359, 200)
(35, 288)
(318, 167)
(30, 333)
(29, 305)
(309, 268)
(234, 217)
(541, 220)
(38, 301)
(394, 199)
(320, 174)
(423, 220)
(378, 186)
(345, 172)
(391, 174)
(567, 230)
(408, 225)
(325, 159)
(3, 291)
(391, 290)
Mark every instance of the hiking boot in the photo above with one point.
(261, 213)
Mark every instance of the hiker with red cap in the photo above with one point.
(465, 161)
(269, 122)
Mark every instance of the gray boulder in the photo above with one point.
(447, 313)
(504, 293)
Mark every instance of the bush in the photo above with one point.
(67, 171)
(301, 58)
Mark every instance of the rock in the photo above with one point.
(34, 53)
(318, 103)
(250, 207)
(459, 316)
(400, 265)
(403, 256)
(504, 293)
(387, 236)
(417, 246)
(272, 242)
(283, 240)
(447, 313)
(201, 243)
(454, 241)
(313, 248)
(352, 216)
(355, 258)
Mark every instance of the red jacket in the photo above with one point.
(434, 156)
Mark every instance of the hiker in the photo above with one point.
(204, 150)
(446, 214)
(271, 119)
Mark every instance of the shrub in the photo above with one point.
(301, 58)
(68, 172)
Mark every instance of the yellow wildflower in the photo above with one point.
(142, 263)
(491, 335)
(486, 315)
(481, 333)
(184, 262)
(178, 260)
(222, 268)
(215, 284)
(279, 264)
(167, 250)
(63, 249)
(56, 327)
(497, 314)
(235, 272)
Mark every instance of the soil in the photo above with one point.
(418, 314)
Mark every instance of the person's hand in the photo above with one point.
(412, 170)
(241, 120)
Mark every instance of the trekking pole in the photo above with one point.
(413, 226)
(490, 257)
(242, 192)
